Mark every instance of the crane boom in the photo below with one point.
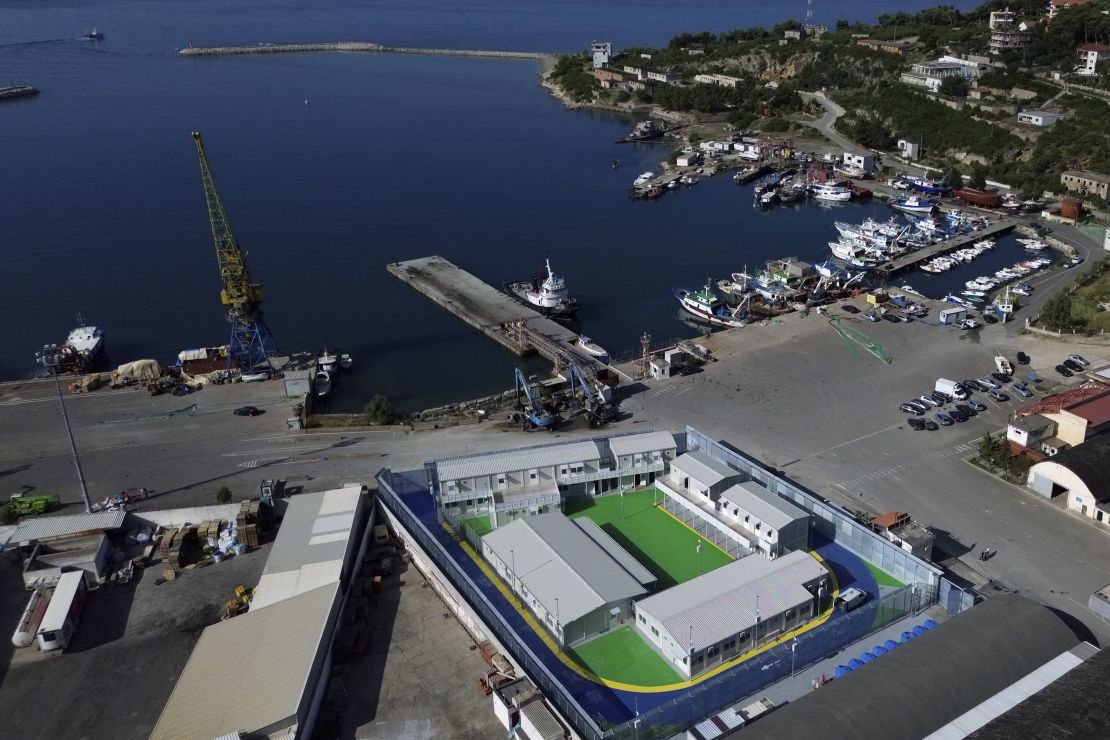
(251, 344)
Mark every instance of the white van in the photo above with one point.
(850, 598)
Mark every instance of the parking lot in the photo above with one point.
(823, 409)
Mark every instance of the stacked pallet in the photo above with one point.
(247, 523)
(173, 545)
(208, 529)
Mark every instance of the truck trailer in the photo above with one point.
(60, 621)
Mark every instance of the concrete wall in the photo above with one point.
(177, 517)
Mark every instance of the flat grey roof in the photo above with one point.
(48, 527)
(316, 529)
(704, 468)
(634, 444)
(249, 674)
(926, 683)
(726, 601)
(513, 460)
(770, 508)
(554, 559)
(594, 531)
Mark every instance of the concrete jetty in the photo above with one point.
(353, 46)
(958, 242)
(493, 312)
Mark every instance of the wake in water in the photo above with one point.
(35, 43)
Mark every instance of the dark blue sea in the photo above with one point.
(397, 157)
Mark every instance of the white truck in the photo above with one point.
(60, 621)
(951, 388)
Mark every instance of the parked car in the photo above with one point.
(849, 308)
(966, 409)
(998, 395)
(1022, 389)
(944, 419)
(968, 324)
(1080, 359)
(941, 397)
(891, 318)
(871, 316)
(976, 404)
(1064, 371)
(957, 415)
(909, 408)
(931, 425)
(1072, 365)
(973, 385)
(929, 401)
(990, 383)
(916, 424)
(247, 411)
(1000, 377)
(990, 318)
(1022, 358)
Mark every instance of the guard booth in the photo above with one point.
(952, 315)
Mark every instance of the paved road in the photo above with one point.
(1047, 285)
(826, 123)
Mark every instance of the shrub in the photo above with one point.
(223, 495)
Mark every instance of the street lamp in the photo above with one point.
(698, 548)
(49, 359)
(793, 650)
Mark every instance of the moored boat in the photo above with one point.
(548, 295)
(591, 348)
(707, 306)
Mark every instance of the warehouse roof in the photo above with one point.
(250, 674)
(728, 600)
(704, 468)
(911, 691)
(594, 531)
(1090, 462)
(634, 444)
(521, 459)
(50, 527)
(771, 509)
(554, 559)
(311, 546)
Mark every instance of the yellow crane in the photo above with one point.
(251, 345)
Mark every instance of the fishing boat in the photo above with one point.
(591, 348)
(322, 384)
(82, 351)
(927, 186)
(643, 179)
(546, 294)
(707, 306)
(94, 35)
(831, 192)
(346, 363)
(768, 197)
(914, 204)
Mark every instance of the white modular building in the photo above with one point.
(775, 526)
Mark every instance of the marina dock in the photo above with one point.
(1002, 226)
(493, 312)
(352, 46)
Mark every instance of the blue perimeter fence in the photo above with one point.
(681, 710)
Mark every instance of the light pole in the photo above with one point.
(50, 362)
(512, 570)
(793, 650)
(698, 548)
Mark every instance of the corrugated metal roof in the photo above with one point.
(513, 460)
(635, 444)
(250, 672)
(543, 721)
(724, 602)
(594, 531)
(554, 559)
(771, 509)
(46, 527)
(703, 468)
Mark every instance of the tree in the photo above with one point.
(1056, 312)
(978, 177)
(380, 410)
(955, 177)
(955, 86)
(223, 495)
(842, 24)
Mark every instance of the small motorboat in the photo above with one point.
(593, 349)
(94, 35)
(346, 363)
(254, 377)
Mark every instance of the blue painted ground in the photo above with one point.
(609, 706)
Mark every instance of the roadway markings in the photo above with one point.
(248, 464)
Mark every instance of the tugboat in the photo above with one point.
(94, 35)
(707, 306)
(82, 351)
(546, 295)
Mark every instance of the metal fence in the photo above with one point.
(707, 530)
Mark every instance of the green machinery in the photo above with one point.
(856, 338)
(22, 505)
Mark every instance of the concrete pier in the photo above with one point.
(352, 46)
(493, 312)
(1003, 226)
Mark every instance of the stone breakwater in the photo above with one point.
(353, 46)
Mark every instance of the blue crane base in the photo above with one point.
(251, 346)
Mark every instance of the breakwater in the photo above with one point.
(353, 46)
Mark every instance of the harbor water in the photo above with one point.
(396, 157)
